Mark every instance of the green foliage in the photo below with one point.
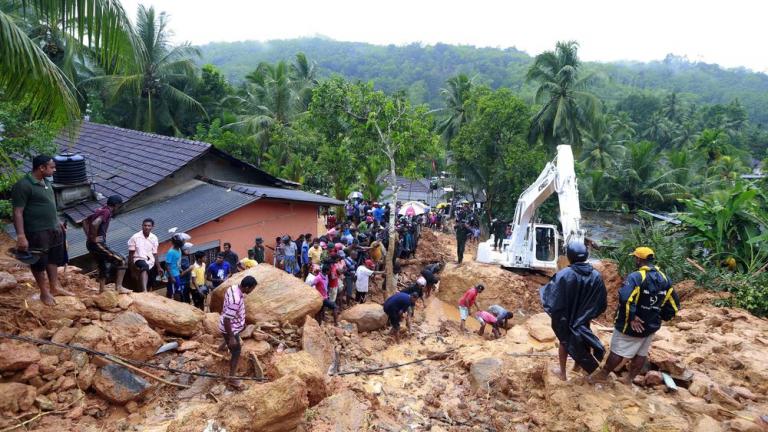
(729, 223)
(749, 291)
(566, 106)
(667, 241)
(20, 139)
(491, 150)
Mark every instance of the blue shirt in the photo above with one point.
(398, 303)
(218, 272)
(378, 214)
(173, 260)
(305, 253)
(185, 265)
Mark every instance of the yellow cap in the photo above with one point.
(643, 252)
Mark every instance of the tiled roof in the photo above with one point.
(278, 193)
(183, 211)
(414, 190)
(126, 162)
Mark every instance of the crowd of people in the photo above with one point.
(341, 265)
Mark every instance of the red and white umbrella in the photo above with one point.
(412, 208)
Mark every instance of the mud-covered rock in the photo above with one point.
(16, 356)
(107, 300)
(118, 384)
(483, 371)
(15, 397)
(7, 282)
(316, 343)
(352, 418)
(132, 338)
(540, 328)
(172, 316)
(276, 406)
(278, 296)
(66, 307)
(211, 323)
(367, 316)
(304, 366)
(89, 336)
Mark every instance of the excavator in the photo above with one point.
(537, 246)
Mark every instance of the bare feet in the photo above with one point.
(47, 299)
(559, 373)
(61, 292)
(123, 290)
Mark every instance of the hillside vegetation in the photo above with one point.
(421, 71)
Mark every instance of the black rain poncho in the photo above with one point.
(574, 297)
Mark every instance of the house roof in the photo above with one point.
(415, 190)
(277, 193)
(126, 162)
(183, 211)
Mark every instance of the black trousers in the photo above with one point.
(497, 240)
(460, 249)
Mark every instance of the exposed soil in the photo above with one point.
(473, 383)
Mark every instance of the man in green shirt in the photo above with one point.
(38, 228)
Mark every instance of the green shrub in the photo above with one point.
(6, 210)
(748, 291)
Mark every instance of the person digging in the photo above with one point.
(232, 322)
(395, 307)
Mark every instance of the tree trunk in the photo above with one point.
(391, 250)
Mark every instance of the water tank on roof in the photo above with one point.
(70, 169)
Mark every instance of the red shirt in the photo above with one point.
(468, 299)
(333, 277)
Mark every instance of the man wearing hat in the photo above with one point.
(645, 300)
(258, 250)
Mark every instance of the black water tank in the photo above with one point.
(70, 169)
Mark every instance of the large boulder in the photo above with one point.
(132, 338)
(482, 372)
(88, 336)
(118, 384)
(276, 406)
(367, 316)
(302, 365)
(16, 397)
(211, 323)
(174, 317)
(66, 307)
(15, 356)
(278, 296)
(540, 328)
(7, 282)
(316, 343)
(107, 300)
(327, 413)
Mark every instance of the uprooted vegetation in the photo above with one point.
(716, 356)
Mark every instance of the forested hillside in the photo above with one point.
(422, 70)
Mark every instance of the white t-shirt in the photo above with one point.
(144, 248)
(363, 273)
(310, 280)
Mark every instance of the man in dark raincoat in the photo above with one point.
(575, 296)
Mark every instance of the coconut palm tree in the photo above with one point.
(603, 139)
(642, 180)
(153, 91)
(566, 106)
(456, 93)
(27, 74)
(304, 79)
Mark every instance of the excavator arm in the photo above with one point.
(558, 176)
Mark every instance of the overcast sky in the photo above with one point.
(730, 33)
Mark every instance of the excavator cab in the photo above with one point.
(546, 245)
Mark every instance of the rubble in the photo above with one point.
(15, 356)
(15, 397)
(302, 365)
(7, 282)
(316, 343)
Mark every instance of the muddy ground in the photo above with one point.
(472, 383)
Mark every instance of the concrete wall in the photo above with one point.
(265, 218)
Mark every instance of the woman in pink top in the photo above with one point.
(484, 318)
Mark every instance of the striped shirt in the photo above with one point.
(234, 309)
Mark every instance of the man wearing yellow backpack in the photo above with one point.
(645, 300)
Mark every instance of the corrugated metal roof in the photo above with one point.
(126, 162)
(185, 211)
(278, 193)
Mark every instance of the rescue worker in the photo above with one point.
(462, 231)
(645, 300)
(575, 296)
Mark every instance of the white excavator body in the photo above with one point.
(537, 246)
